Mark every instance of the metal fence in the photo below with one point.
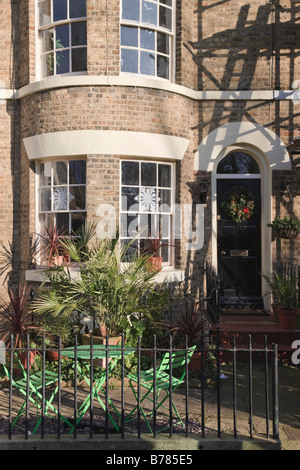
(30, 383)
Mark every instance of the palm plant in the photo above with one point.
(111, 292)
(78, 246)
(16, 317)
(6, 260)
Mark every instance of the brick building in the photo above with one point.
(150, 113)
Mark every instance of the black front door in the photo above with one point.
(239, 242)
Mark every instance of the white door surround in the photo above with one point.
(269, 152)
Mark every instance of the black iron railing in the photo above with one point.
(35, 384)
(211, 301)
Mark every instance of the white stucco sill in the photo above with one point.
(168, 274)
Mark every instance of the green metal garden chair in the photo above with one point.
(33, 392)
(160, 380)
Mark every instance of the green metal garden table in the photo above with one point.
(87, 353)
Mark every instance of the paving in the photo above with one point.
(247, 430)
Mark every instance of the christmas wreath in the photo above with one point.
(239, 206)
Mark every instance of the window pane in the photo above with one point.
(166, 2)
(45, 201)
(47, 65)
(148, 200)
(148, 224)
(77, 221)
(129, 36)
(238, 162)
(129, 61)
(162, 66)
(79, 60)
(77, 172)
(164, 225)
(59, 10)
(163, 43)
(130, 173)
(62, 62)
(148, 174)
(149, 13)
(62, 36)
(46, 220)
(131, 10)
(129, 225)
(131, 250)
(165, 18)
(130, 199)
(47, 40)
(164, 199)
(147, 63)
(78, 33)
(60, 198)
(45, 174)
(164, 176)
(77, 8)
(45, 12)
(77, 198)
(148, 39)
(60, 173)
(62, 222)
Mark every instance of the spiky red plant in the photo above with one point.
(15, 316)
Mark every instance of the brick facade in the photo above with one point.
(230, 46)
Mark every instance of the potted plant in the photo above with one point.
(284, 293)
(108, 291)
(55, 328)
(52, 247)
(153, 249)
(285, 227)
(16, 321)
(191, 326)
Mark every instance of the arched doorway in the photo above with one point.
(239, 241)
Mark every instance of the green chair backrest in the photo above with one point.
(179, 359)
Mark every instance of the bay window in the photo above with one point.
(62, 36)
(146, 204)
(62, 194)
(147, 31)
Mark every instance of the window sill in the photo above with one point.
(167, 274)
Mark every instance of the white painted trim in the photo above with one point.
(255, 136)
(165, 275)
(129, 80)
(85, 142)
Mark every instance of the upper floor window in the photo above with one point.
(62, 36)
(147, 30)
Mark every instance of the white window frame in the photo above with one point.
(140, 25)
(170, 213)
(49, 26)
(39, 213)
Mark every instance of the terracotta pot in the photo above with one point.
(287, 316)
(196, 362)
(57, 260)
(155, 263)
(113, 340)
(22, 356)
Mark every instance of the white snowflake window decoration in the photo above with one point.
(60, 199)
(147, 199)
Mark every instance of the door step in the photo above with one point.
(244, 312)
